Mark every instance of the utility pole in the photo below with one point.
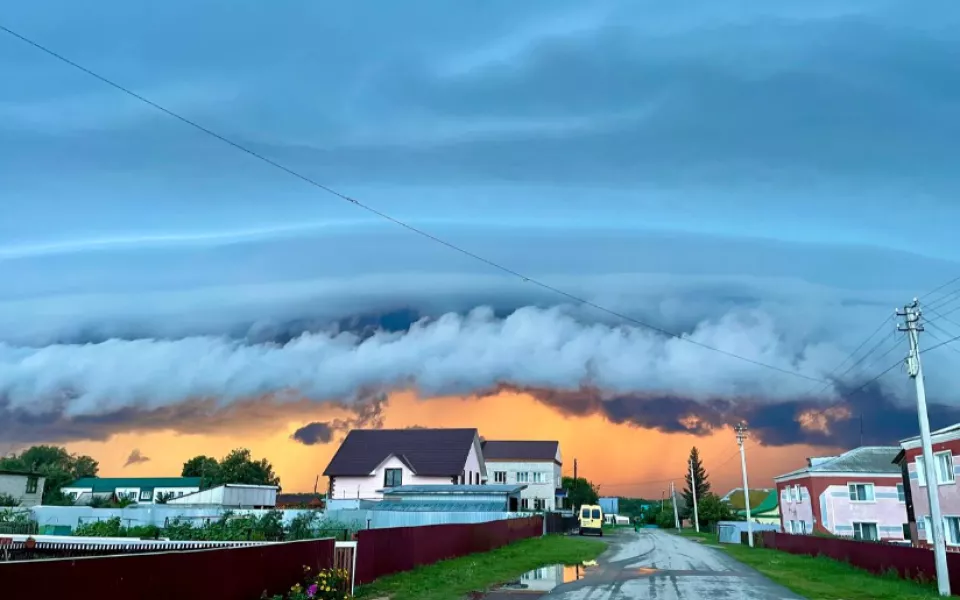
(574, 471)
(676, 515)
(742, 435)
(913, 327)
(693, 488)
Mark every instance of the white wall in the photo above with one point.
(16, 486)
(365, 488)
(550, 472)
(135, 492)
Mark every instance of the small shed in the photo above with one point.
(234, 495)
(493, 497)
(728, 532)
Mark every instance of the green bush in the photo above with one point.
(8, 500)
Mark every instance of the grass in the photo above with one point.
(823, 578)
(453, 579)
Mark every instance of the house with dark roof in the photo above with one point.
(857, 494)
(370, 460)
(534, 463)
(142, 490)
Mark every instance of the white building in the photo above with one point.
(231, 495)
(370, 460)
(536, 464)
(142, 490)
(26, 488)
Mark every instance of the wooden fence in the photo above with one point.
(393, 550)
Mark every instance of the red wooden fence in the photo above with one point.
(222, 573)
(385, 551)
(910, 563)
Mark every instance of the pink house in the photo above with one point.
(858, 494)
(370, 460)
(946, 445)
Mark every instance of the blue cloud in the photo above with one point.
(778, 176)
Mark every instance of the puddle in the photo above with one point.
(545, 579)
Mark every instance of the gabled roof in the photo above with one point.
(769, 504)
(520, 450)
(109, 484)
(951, 429)
(866, 459)
(428, 452)
(735, 498)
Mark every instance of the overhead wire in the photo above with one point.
(411, 228)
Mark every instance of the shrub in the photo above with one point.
(327, 584)
(8, 500)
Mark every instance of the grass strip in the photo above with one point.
(453, 579)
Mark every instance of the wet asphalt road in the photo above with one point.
(662, 566)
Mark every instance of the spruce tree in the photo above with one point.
(700, 477)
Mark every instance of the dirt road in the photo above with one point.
(658, 565)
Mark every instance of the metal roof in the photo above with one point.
(412, 506)
(866, 459)
(109, 484)
(520, 450)
(769, 504)
(428, 452)
(459, 490)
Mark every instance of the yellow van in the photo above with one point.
(591, 520)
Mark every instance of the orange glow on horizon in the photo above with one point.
(623, 460)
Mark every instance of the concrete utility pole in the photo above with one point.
(676, 515)
(913, 327)
(742, 435)
(693, 488)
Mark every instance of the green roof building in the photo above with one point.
(143, 490)
(767, 512)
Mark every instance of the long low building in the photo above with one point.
(231, 495)
(141, 490)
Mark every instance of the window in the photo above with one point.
(788, 525)
(392, 477)
(538, 477)
(952, 526)
(596, 513)
(539, 504)
(906, 531)
(802, 527)
(32, 485)
(525, 503)
(865, 531)
(901, 496)
(499, 476)
(944, 464)
(921, 471)
(523, 477)
(586, 513)
(785, 495)
(796, 494)
(146, 495)
(861, 492)
(179, 494)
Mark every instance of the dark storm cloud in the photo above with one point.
(319, 432)
(135, 458)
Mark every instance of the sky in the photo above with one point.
(764, 184)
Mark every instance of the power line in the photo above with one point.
(938, 338)
(833, 373)
(941, 316)
(394, 220)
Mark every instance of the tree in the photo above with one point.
(700, 478)
(665, 519)
(205, 467)
(58, 467)
(236, 467)
(711, 509)
(580, 491)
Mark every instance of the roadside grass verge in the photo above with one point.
(822, 578)
(453, 579)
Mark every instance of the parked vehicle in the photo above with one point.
(591, 520)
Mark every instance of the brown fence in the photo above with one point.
(558, 523)
(910, 563)
(243, 573)
(396, 549)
